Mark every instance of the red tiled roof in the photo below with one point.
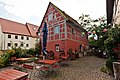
(12, 27)
(32, 29)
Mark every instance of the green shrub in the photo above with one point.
(110, 44)
(104, 69)
(109, 63)
(31, 51)
(4, 59)
(38, 48)
(19, 52)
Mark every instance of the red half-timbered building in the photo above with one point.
(63, 31)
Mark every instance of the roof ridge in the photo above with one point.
(12, 21)
(31, 24)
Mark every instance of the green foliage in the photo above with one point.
(104, 69)
(109, 63)
(19, 52)
(38, 48)
(97, 25)
(112, 41)
(4, 59)
(31, 51)
(110, 44)
(84, 20)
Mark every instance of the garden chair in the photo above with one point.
(64, 60)
(40, 72)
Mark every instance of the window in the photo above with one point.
(57, 47)
(21, 45)
(57, 30)
(73, 31)
(54, 16)
(22, 37)
(50, 16)
(27, 38)
(9, 44)
(16, 37)
(9, 36)
(27, 45)
(16, 44)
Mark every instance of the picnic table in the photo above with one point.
(42, 68)
(64, 57)
(50, 62)
(22, 59)
(12, 74)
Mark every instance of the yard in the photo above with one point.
(86, 68)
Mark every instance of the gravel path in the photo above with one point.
(86, 68)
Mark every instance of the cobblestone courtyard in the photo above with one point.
(86, 68)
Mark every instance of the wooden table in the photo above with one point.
(64, 57)
(12, 74)
(48, 61)
(22, 59)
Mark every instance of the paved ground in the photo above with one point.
(86, 68)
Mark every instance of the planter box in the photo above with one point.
(116, 69)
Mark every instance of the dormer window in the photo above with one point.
(34, 29)
(50, 16)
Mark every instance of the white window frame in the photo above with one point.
(57, 29)
(50, 16)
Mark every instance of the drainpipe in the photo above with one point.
(65, 48)
(4, 42)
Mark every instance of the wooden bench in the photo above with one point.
(27, 66)
(11, 74)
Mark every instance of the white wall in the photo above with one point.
(31, 42)
(0, 37)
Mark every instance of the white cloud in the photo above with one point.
(27, 8)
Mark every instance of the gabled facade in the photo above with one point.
(63, 31)
(17, 34)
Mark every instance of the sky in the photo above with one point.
(33, 11)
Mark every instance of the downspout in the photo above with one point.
(1, 36)
(4, 42)
(65, 37)
(65, 29)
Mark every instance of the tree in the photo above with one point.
(97, 29)
(84, 20)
